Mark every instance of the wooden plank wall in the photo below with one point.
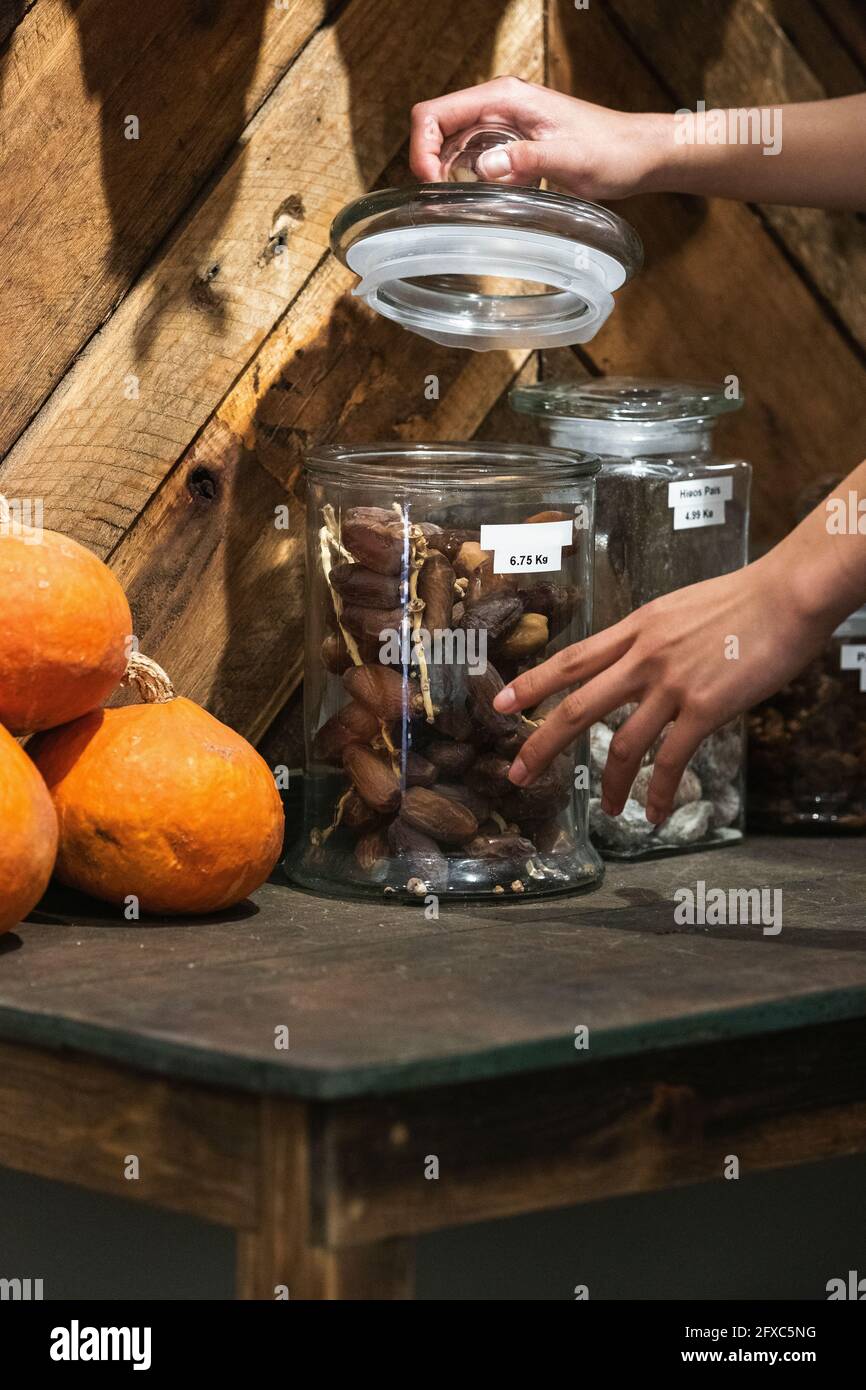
(174, 332)
(775, 295)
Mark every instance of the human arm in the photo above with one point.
(603, 154)
(673, 656)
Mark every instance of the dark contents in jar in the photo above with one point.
(638, 557)
(417, 756)
(807, 751)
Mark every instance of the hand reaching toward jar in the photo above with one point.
(697, 657)
(818, 148)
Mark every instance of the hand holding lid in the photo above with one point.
(434, 256)
(461, 153)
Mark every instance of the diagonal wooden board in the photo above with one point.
(219, 564)
(83, 205)
(379, 998)
(99, 449)
(205, 556)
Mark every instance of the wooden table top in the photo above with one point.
(376, 998)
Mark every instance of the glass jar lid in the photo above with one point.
(481, 265)
(625, 398)
(628, 416)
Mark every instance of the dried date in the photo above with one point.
(375, 780)
(527, 639)
(497, 614)
(384, 691)
(440, 817)
(371, 852)
(452, 758)
(482, 691)
(365, 588)
(369, 623)
(505, 854)
(436, 588)
(351, 724)
(376, 538)
(489, 776)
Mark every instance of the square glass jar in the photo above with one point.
(670, 512)
(807, 743)
(435, 573)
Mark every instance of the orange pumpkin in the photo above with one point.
(162, 802)
(28, 833)
(65, 628)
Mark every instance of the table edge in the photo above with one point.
(233, 1071)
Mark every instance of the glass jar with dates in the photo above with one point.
(435, 573)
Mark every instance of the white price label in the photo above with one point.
(526, 546)
(854, 659)
(699, 502)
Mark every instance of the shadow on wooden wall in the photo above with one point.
(91, 189)
(329, 371)
(174, 333)
(212, 24)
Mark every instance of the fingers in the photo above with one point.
(527, 161)
(425, 142)
(575, 714)
(576, 663)
(498, 103)
(669, 766)
(627, 748)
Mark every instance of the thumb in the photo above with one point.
(527, 161)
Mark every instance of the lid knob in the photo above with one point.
(461, 152)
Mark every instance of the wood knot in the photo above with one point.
(290, 211)
(398, 1135)
(202, 483)
(203, 295)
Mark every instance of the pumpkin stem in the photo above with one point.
(149, 679)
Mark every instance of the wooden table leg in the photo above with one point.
(278, 1259)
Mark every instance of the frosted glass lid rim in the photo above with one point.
(631, 439)
(393, 265)
(635, 402)
(420, 251)
(435, 204)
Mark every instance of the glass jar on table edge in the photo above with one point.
(434, 573)
(807, 744)
(807, 741)
(669, 512)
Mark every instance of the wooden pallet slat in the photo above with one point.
(195, 319)
(84, 1121)
(330, 371)
(83, 205)
(552, 1141)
